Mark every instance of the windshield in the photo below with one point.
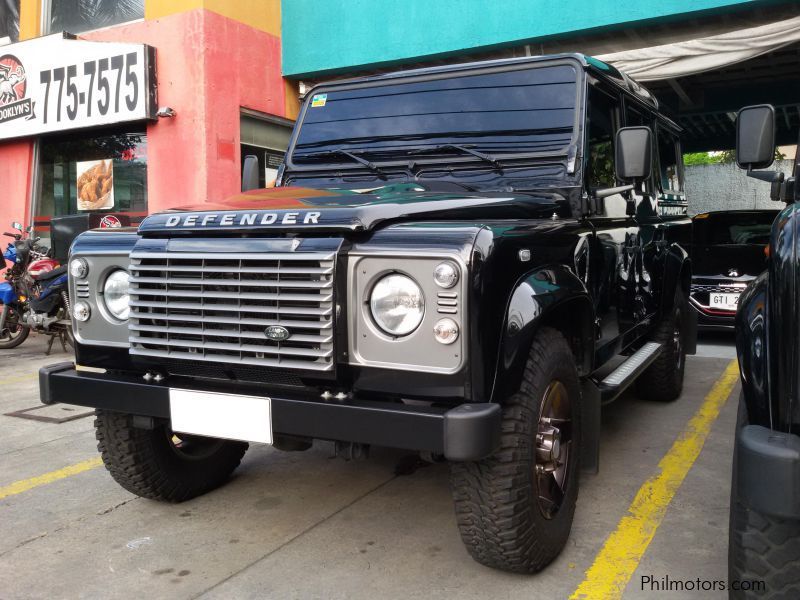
(734, 228)
(524, 110)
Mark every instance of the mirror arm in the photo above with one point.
(784, 192)
(606, 192)
(769, 176)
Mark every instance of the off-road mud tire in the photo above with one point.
(663, 379)
(145, 462)
(496, 502)
(761, 548)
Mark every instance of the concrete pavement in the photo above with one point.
(307, 525)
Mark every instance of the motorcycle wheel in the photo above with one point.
(14, 333)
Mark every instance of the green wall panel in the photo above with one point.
(325, 36)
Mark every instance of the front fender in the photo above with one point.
(751, 348)
(546, 296)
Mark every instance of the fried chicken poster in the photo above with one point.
(95, 185)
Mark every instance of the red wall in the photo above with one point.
(208, 66)
(15, 177)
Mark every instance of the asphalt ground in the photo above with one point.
(308, 525)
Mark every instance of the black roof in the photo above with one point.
(595, 66)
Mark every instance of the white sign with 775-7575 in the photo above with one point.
(56, 82)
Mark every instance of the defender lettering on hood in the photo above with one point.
(242, 219)
(296, 208)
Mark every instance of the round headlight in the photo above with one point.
(81, 311)
(78, 268)
(116, 293)
(445, 331)
(397, 304)
(445, 274)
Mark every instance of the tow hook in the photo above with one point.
(351, 451)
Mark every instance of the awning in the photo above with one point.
(704, 54)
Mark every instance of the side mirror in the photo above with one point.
(633, 156)
(755, 137)
(17, 225)
(250, 173)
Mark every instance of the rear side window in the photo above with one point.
(670, 173)
(602, 117)
(734, 228)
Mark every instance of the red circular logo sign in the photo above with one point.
(110, 221)
(12, 79)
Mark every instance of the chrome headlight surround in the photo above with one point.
(369, 344)
(103, 327)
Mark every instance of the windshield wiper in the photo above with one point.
(339, 152)
(465, 149)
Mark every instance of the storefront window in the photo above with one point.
(77, 16)
(267, 141)
(9, 21)
(104, 173)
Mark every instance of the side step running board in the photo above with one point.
(624, 375)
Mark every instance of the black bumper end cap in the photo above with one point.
(45, 394)
(472, 431)
(768, 476)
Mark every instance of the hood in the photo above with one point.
(302, 209)
(747, 260)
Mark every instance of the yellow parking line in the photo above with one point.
(617, 561)
(19, 378)
(27, 484)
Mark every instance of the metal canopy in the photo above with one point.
(706, 104)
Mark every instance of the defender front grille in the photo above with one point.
(217, 307)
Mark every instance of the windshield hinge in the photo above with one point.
(571, 156)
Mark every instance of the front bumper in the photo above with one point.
(720, 320)
(466, 432)
(768, 470)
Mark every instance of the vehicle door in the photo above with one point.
(648, 272)
(611, 278)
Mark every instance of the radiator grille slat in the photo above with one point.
(216, 307)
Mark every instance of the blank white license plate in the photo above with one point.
(725, 301)
(229, 416)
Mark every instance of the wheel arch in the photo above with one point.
(752, 349)
(546, 297)
(677, 272)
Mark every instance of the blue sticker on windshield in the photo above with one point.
(319, 100)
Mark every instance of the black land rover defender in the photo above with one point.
(466, 261)
(765, 492)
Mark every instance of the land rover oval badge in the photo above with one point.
(276, 333)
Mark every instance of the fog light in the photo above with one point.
(445, 331)
(81, 311)
(445, 274)
(78, 268)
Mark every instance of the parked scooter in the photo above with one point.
(34, 296)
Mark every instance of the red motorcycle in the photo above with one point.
(34, 295)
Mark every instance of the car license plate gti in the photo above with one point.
(229, 416)
(725, 301)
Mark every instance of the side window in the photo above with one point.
(601, 127)
(669, 171)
